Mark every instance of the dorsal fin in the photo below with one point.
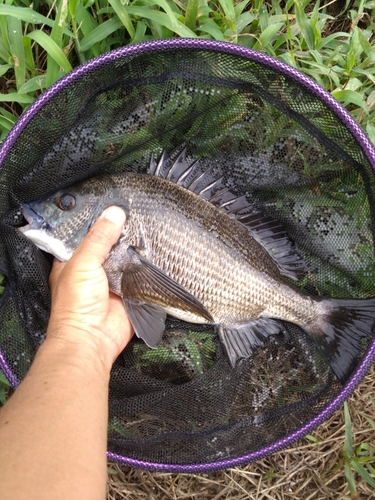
(267, 231)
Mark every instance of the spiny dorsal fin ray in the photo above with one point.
(267, 231)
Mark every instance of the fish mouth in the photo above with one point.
(35, 221)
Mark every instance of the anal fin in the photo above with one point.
(240, 341)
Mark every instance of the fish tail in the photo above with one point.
(339, 331)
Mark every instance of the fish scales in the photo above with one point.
(173, 222)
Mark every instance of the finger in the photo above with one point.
(102, 236)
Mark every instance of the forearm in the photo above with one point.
(53, 430)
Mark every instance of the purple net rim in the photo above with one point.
(276, 65)
(192, 43)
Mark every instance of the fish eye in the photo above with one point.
(66, 202)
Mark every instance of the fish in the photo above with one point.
(193, 249)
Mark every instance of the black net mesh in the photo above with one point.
(272, 140)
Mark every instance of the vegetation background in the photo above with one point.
(331, 41)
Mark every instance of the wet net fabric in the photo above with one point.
(272, 140)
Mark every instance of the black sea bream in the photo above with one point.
(192, 249)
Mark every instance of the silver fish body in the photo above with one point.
(211, 255)
(182, 255)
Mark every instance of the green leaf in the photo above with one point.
(288, 58)
(305, 26)
(268, 35)
(350, 97)
(244, 20)
(28, 16)
(350, 479)
(348, 432)
(239, 7)
(121, 11)
(56, 36)
(17, 50)
(313, 439)
(354, 51)
(363, 473)
(86, 24)
(191, 14)
(14, 97)
(51, 48)
(353, 84)
(370, 129)
(4, 68)
(365, 44)
(163, 19)
(36, 83)
(100, 33)
(85, 20)
(369, 420)
(73, 4)
(4, 380)
(2, 396)
(212, 29)
(229, 12)
(139, 32)
(29, 56)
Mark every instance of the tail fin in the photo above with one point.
(339, 331)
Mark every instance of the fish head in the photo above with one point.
(59, 223)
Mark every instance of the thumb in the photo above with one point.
(102, 236)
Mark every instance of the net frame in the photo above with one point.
(303, 80)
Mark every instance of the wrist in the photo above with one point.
(76, 351)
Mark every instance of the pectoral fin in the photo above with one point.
(148, 321)
(147, 291)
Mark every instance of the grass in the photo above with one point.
(333, 43)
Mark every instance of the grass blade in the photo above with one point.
(163, 19)
(17, 49)
(51, 48)
(123, 15)
(244, 20)
(28, 16)
(363, 473)
(348, 432)
(369, 420)
(354, 51)
(212, 29)
(350, 97)
(140, 31)
(14, 97)
(29, 57)
(191, 14)
(305, 26)
(350, 479)
(86, 24)
(268, 35)
(100, 33)
(229, 12)
(4, 68)
(53, 67)
(36, 83)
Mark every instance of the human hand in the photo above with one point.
(84, 312)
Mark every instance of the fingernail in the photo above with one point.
(115, 215)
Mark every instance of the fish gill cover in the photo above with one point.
(274, 140)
